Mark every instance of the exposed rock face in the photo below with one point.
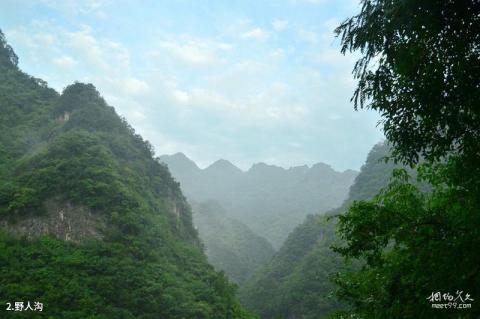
(61, 219)
(64, 117)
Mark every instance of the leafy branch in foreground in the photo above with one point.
(420, 68)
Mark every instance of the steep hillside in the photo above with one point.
(230, 245)
(374, 175)
(268, 199)
(295, 283)
(92, 225)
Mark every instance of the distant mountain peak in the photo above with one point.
(180, 156)
(299, 169)
(322, 166)
(265, 166)
(350, 172)
(176, 156)
(223, 165)
(179, 161)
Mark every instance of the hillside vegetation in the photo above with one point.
(93, 226)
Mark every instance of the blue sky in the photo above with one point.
(247, 81)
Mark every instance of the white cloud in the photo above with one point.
(74, 7)
(87, 45)
(135, 86)
(331, 57)
(193, 51)
(224, 46)
(181, 96)
(331, 24)
(210, 99)
(308, 36)
(277, 105)
(65, 62)
(215, 85)
(21, 36)
(116, 51)
(166, 144)
(44, 39)
(310, 1)
(139, 115)
(240, 79)
(190, 52)
(279, 25)
(278, 53)
(99, 53)
(255, 34)
(270, 107)
(40, 35)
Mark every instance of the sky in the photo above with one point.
(247, 81)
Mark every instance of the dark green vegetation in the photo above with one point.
(270, 200)
(420, 68)
(140, 257)
(297, 282)
(230, 245)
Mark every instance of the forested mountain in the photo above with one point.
(269, 199)
(92, 225)
(296, 282)
(230, 245)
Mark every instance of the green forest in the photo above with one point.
(73, 149)
(94, 224)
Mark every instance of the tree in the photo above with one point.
(7, 56)
(420, 68)
(413, 244)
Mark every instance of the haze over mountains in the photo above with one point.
(305, 264)
(269, 199)
(229, 244)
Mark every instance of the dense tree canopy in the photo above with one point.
(7, 55)
(420, 68)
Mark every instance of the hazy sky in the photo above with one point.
(247, 81)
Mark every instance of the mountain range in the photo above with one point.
(270, 200)
(297, 281)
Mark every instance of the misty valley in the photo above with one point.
(248, 219)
